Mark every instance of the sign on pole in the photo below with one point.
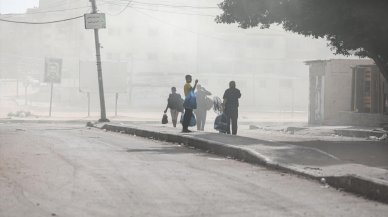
(95, 21)
(52, 74)
(53, 70)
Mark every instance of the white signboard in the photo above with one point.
(53, 70)
(95, 21)
(115, 76)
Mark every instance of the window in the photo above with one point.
(241, 84)
(111, 31)
(262, 84)
(285, 83)
(128, 55)
(129, 29)
(113, 56)
(179, 56)
(152, 56)
(153, 31)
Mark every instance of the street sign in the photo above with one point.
(53, 70)
(95, 21)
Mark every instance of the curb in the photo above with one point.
(360, 186)
(351, 183)
(359, 133)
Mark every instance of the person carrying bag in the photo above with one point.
(189, 104)
(175, 104)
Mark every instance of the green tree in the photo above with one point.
(358, 27)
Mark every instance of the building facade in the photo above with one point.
(346, 92)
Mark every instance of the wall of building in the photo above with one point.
(337, 91)
(338, 86)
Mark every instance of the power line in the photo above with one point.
(176, 6)
(174, 12)
(182, 28)
(49, 11)
(156, 10)
(163, 4)
(55, 5)
(122, 10)
(111, 3)
(43, 12)
(40, 23)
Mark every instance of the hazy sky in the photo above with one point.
(17, 6)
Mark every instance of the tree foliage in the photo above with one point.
(358, 27)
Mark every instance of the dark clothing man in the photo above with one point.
(231, 104)
(175, 104)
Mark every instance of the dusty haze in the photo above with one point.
(148, 47)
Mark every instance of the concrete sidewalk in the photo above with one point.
(299, 157)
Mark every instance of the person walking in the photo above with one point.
(202, 106)
(189, 104)
(175, 104)
(231, 105)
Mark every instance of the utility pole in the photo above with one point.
(99, 69)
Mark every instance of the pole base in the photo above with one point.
(103, 120)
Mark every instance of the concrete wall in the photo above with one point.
(359, 119)
(338, 86)
(337, 90)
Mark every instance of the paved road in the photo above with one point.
(68, 170)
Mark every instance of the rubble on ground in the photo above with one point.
(20, 114)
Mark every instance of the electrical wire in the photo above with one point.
(179, 27)
(157, 10)
(40, 23)
(175, 6)
(44, 12)
(57, 4)
(122, 10)
(173, 12)
(49, 11)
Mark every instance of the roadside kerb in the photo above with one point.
(363, 186)
(359, 133)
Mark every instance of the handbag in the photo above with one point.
(193, 120)
(164, 119)
(220, 123)
(190, 101)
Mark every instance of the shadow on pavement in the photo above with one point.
(235, 140)
(315, 152)
(163, 150)
(370, 153)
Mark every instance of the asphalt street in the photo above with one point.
(69, 170)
